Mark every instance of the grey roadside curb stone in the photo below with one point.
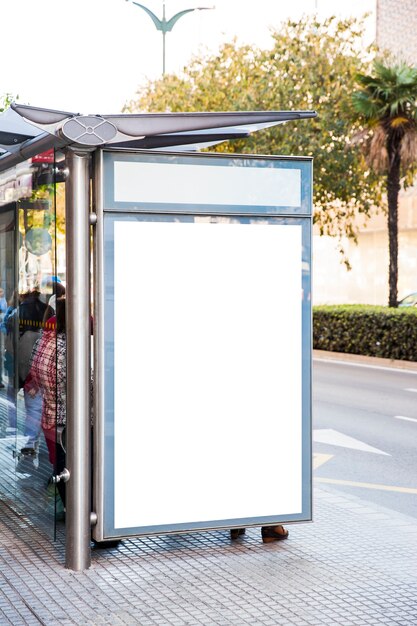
(356, 564)
(364, 360)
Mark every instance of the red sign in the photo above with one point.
(44, 157)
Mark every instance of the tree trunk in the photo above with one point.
(393, 189)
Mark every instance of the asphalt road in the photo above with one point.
(365, 432)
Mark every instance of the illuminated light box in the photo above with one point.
(206, 416)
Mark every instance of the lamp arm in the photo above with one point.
(171, 23)
(158, 23)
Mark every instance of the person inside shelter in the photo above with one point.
(269, 533)
(47, 376)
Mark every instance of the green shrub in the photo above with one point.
(369, 330)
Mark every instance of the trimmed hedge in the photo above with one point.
(365, 329)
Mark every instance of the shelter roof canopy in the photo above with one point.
(26, 131)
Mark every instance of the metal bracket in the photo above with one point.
(93, 518)
(93, 219)
(63, 477)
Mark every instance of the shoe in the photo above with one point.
(273, 533)
(236, 532)
(28, 451)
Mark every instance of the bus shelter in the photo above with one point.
(188, 301)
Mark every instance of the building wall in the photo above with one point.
(396, 25)
(367, 282)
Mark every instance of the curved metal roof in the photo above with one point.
(26, 131)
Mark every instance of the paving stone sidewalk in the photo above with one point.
(356, 564)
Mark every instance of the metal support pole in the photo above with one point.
(78, 461)
(163, 53)
(164, 32)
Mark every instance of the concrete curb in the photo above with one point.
(365, 360)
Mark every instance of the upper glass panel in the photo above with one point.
(225, 185)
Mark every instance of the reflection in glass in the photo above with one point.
(32, 275)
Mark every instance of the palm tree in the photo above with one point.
(387, 105)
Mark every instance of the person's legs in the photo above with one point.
(50, 438)
(11, 405)
(273, 533)
(56, 457)
(269, 533)
(2, 355)
(33, 406)
(59, 466)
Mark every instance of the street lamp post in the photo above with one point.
(164, 25)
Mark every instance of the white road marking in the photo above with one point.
(334, 438)
(12, 442)
(351, 483)
(320, 459)
(407, 419)
(7, 402)
(411, 389)
(374, 367)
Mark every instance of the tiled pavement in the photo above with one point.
(356, 564)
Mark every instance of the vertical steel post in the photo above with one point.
(164, 32)
(99, 356)
(78, 461)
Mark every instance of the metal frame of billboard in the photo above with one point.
(108, 211)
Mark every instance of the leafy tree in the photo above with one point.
(387, 105)
(5, 101)
(311, 65)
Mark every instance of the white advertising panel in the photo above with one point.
(207, 371)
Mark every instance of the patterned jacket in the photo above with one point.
(48, 374)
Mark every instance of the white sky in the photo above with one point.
(89, 56)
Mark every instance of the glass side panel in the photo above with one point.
(8, 300)
(30, 285)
